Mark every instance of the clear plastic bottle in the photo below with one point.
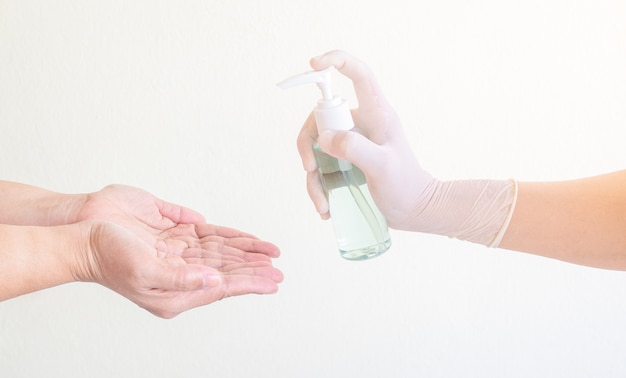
(360, 228)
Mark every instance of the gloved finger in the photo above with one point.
(365, 85)
(316, 193)
(354, 148)
(305, 141)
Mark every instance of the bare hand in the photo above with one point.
(183, 267)
(165, 258)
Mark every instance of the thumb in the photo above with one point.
(353, 147)
(186, 277)
(180, 214)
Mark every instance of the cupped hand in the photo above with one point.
(165, 258)
(148, 216)
(183, 267)
(377, 146)
(135, 209)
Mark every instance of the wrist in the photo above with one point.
(62, 209)
(27, 205)
(81, 260)
(36, 257)
(473, 210)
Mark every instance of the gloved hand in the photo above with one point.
(409, 197)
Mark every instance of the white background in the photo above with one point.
(179, 98)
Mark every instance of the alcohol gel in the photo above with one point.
(360, 228)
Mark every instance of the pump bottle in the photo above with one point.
(360, 228)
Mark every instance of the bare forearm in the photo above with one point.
(22, 204)
(34, 258)
(581, 221)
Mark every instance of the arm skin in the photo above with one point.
(22, 204)
(35, 258)
(161, 256)
(580, 221)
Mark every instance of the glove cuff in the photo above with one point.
(478, 211)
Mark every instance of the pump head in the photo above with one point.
(331, 113)
(321, 78)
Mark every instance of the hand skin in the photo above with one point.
(161, 256)
(22, 204)
(117, 203)
(578, 221)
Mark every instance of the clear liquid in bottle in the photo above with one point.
(360, 228)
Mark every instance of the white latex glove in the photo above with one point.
(409, 197)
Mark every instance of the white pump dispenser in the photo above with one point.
(331, 113)
(360, 228)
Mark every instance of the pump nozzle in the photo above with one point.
(321, 78)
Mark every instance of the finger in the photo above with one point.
(220, 262)
(354, 148)
(238, 245)
(181, 277)
(316, 193)
(305, 141)
(252, 246)
(203, 230)
(253, 269)
(216, 250)
(179, 214)
(249, 280)
(178, 241)
(170, 304)
(365, 85)
(243, 284)
(231, 254)
(215, 256)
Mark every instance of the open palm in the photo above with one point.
(165, 258)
